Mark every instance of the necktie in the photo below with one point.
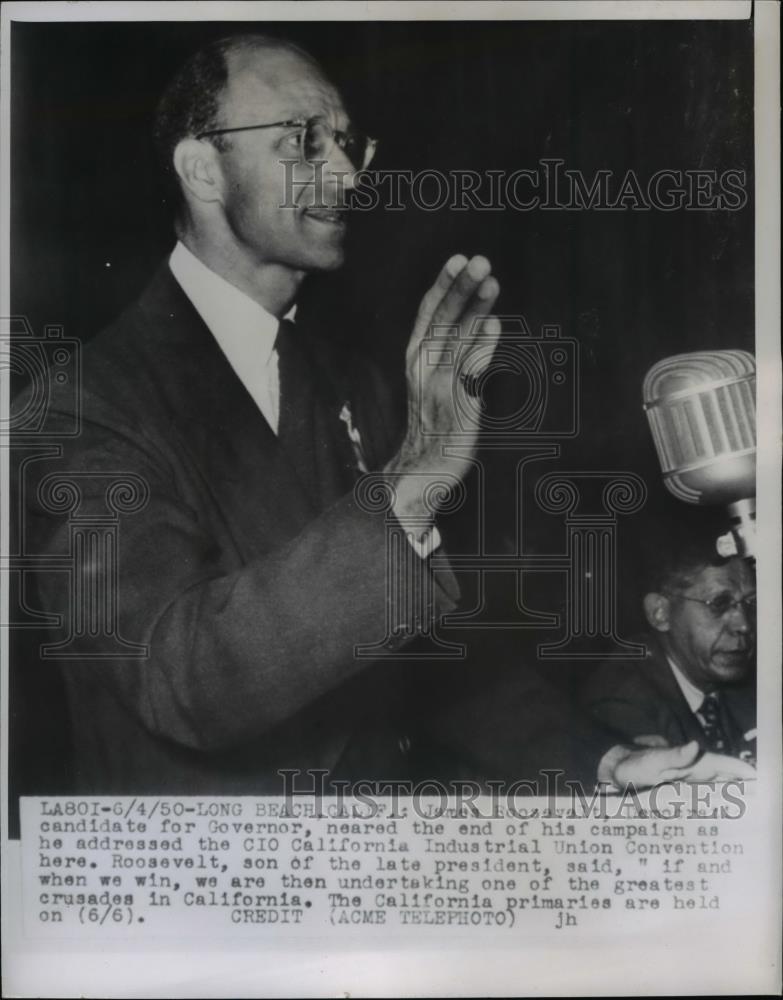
(711, 719)
(310, 432)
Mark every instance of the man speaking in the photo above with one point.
(251, 573)
(248, 573)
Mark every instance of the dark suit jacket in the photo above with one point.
(249, 599)
(643, 698)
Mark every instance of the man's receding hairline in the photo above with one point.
(688, 576)
(234, 45)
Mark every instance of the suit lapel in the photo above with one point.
(252, 482)
(670, 693)
(220, 427)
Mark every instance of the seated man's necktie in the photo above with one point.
(711, 719)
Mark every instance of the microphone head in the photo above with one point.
(701, 408)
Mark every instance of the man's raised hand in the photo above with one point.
(463, 293)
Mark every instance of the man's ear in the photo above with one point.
(656, 609)
(198, 169)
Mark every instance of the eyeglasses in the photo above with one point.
(721, 605)
(316, 139)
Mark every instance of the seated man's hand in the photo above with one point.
(719, 767)
(649, 766)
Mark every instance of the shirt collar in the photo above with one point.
(692, 694)
(233, 318)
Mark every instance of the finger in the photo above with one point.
(733, 776)
(725, 767)
(488, 291)
(480, 332)
(670, 763)
(462, 291)
(480, 305)
(488, 337)
(476, 364)
(652, 741)
(433, 298)
(683, 755)
(692, 773)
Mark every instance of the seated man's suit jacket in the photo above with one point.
(248, 596)
(636, 698)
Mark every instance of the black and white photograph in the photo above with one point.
(391, 546)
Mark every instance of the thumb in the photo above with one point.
(651, 741)
(684, 755)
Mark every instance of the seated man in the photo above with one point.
(698, 680)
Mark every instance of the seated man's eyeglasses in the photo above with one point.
(314, 140)
(722, 604)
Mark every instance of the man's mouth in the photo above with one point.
(327, 216)
(733, 654)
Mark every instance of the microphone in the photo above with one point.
(701, 408)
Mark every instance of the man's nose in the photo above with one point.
(739, 620)
(340, 169)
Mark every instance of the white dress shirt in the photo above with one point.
(244, 330)
(246, 334)
(691, 693)
(695, 697)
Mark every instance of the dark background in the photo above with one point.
(631, 287)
